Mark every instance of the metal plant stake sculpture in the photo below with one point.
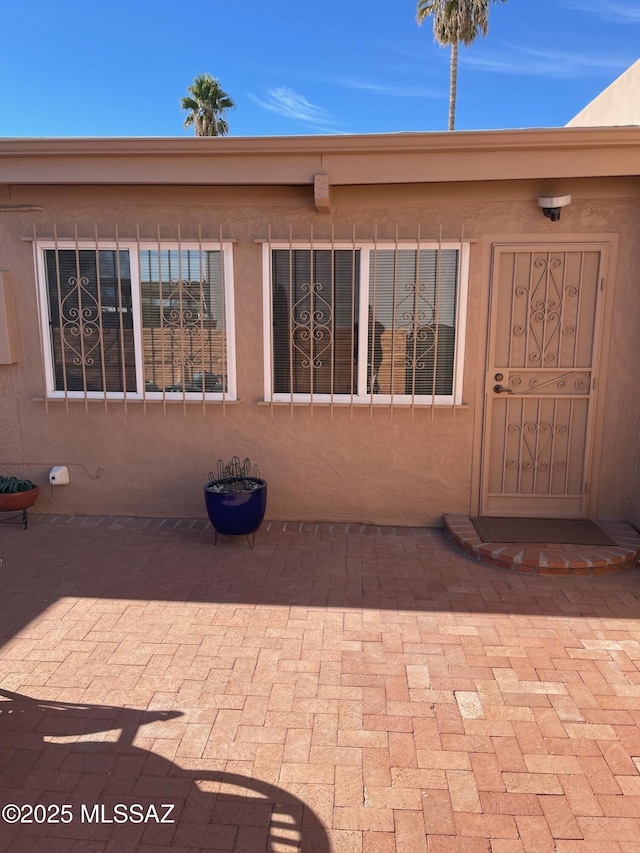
(235, 476)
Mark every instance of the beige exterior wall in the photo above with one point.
(634, 515)
(617, 105)
(371, 464)
(366, 465)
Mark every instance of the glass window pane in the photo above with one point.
(91, 321)
(184, 342)
(412, 303)
(314, 312)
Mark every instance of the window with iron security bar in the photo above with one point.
(137, 320)
(366, 323)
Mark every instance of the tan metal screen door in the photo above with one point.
(540, 381)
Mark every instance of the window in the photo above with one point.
(138, 320)
(408, 301)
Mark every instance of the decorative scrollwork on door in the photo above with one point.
(535, 447)
(547, 300)
(570, 382)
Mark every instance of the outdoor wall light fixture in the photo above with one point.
(552, 205)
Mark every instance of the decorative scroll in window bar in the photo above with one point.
(142, 318)
(374, 320)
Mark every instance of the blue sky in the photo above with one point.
(71, 68)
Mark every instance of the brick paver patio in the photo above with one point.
(333, 690)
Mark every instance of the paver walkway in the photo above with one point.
(333, 690)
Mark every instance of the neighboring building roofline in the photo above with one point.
(617, 105)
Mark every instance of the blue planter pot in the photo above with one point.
(236, 513)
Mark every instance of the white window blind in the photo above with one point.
(405, 298)
(413, 295)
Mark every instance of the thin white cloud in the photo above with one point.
(609, 9)
(525, 61)
(290, 104)
(390, 91)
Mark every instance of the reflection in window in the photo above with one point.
(165, 313)
(409, 298)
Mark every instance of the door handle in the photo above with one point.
(500, 389)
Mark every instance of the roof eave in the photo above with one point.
(363, 159)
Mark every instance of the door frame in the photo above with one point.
(607, 243)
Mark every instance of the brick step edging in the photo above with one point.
(536, 558)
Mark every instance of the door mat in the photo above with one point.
(566, 531)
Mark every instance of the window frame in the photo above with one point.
(365, 248)
(134, 248)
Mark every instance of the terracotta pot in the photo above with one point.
(15, 501)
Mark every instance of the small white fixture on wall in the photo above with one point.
(59, 475)
(552, 205)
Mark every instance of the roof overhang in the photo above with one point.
(403, 158)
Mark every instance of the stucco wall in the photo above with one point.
(617, 105)
(374, 466)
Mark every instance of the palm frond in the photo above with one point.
(456, 21)
(206, 106)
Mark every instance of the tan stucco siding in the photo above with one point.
(322, 464)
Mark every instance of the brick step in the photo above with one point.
(547, 559)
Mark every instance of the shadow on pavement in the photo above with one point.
(71, 773)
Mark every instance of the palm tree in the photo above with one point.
(207, 107)
(455, 21)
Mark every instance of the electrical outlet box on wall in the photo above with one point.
(8, 336)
